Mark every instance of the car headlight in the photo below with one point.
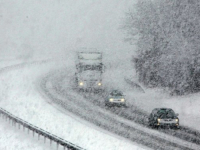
(81, 83)
(176, 120)
(99, 84)
(158, 119)
(122, 100)
(111, 99)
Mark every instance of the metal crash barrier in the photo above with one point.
(40, 132)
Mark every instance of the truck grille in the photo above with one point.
(91, 83)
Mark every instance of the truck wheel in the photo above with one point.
(81, 90)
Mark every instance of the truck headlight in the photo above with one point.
(99, 84)
(81, 83)
(176, 120)
(111, 99)
(122, 100)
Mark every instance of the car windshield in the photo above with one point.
(166, 113)
(116, 93)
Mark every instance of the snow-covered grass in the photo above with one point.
(14, 139)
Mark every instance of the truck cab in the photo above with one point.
(89, 70)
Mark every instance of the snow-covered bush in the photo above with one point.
(168, 40)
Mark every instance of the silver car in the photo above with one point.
(115, 97)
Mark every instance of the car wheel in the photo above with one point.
(107, 104)
(149, 121)
(176, 127)
(150, 124)
(153, 126)
(124, 105)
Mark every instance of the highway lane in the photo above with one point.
(118, 120)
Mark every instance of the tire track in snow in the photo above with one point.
(76, 104)
(131, 113)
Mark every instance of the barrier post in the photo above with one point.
(50, 142)
(57, 145)
(17, 122)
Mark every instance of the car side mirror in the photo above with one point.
(177, 114)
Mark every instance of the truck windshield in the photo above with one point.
(92, 67)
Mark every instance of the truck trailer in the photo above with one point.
(89, 70)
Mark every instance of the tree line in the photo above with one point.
(167, 34)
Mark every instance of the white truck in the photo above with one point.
(89, 70)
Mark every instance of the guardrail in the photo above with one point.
(59, 141)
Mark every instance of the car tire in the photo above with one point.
(176, 127)
(153, 126)
(150, 123)
(125, 106)
(107, 104)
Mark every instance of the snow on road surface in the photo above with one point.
(58, 87)
(21, 98)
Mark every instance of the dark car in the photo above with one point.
(115, 97)
(163, 117)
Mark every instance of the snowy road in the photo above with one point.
(20, 96)
(59, 88)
